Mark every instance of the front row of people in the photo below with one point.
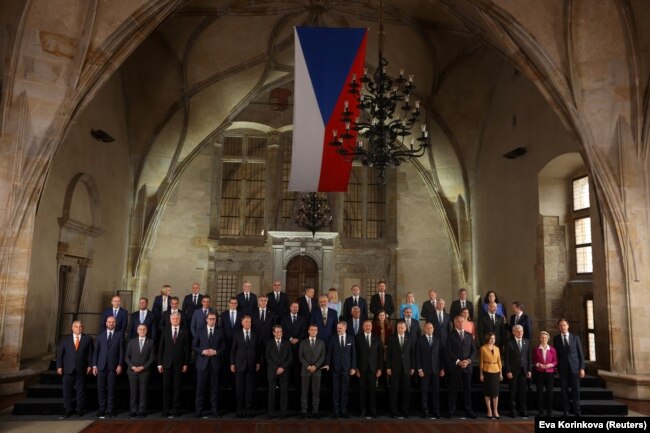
(345, 356)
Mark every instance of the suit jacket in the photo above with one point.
(429, 359)
(198, 320)
(188, 306)
(172, 354)
(277, 358)
(135, 358)
(244, 355)
(428, 311)
(459, 350)
(150, 320)
(341, 359)
(369, 358)
(375, 304)
(551, 358)
(350, 328)
(325, 329)
(525, 323)
(456, 309)
(280, 308)
(303, 307)
(514, 360)
(166, 323)
(106, 357)
(485, 325)
(349, 303)
(309, 356)
(157, 306)
(121, 320)
(298, 329)
(570, 359)
(201, 341)
(400, 359)
(442, 328)
(71, 360)
(264, 329)
(229, 328)
(246, 307)
(414, 332)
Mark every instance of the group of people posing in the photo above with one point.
(269, 338)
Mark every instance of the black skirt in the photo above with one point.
(490, 384)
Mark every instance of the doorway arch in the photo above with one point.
(302, 272)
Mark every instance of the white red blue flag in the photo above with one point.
(325, 61)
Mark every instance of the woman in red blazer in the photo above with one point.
(545, 361)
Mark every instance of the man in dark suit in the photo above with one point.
(312, 357)
(517, 367)
(429, 363)
(192, 302)
(355, 323)
(325, 319)
(412, 325)
(518, 317)
(441, 322)
(355, 301)
(263, 320)
(399, 367)
(108, 358)
(140, 353)
(294, 329)
(341, 362)
(370, 359)
(460, 350)
(428, 310)
(460, 303)
(201, 315)
(381, 301)
(161, 302)
(246, 301)
(278, 357)
(278, 301)
(143, 317)
(244, 362)
(121, 316)
(570, 365)
(165, 321)
(74, 362)
(173, 360)
(307, 303)
(208, 344)
(230, 324)
(492, 322)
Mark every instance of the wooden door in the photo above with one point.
(302, 272)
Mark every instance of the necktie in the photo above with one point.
(381, 295)
(356, 325)
(195, 299)
(278, 343)
(115, 312)
(263, 315)
(355, 301)
(401, 341)
(440, 317)
(309, 304)
(210, 334)
(246, 297)
(462, 335)
(76, 342)
(519, 344)
(141, 344)
(164, 302)
(175, 335)
(205, 313)
(462, 304)
(324, 317)
(232, 319)
(368, 339)
(293, 319)
(492, 317)
(408, 325)
(566, 341)
(311, 343)
(142, 316)
(429, 338)
(248, 338)
(342, 342)
(277, 296)
(517, 319)
(110, 338)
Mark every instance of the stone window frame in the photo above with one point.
(580, 214)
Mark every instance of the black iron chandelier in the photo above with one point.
(313, 212)
(381, 132)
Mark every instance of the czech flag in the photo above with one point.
(325, 61)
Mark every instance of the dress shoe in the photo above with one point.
(303, 415)
(315, 415)
(334, 415)
(513, 414)
(524, 415)
(549, 413)
(362, 414)
(471, 415)
(565, 413)
(110, 414)
(142, 415)
(164, 414)
(451, 414)
(197, 415)
(345, 415)
(80, 413)
(215, 414)
(578, 413)
(436, 415)
(405, 415)
(177, 414)
(68, 414)
(132, 415)
(373, 414)
(393, 415)
(101, 414)
(425, 415)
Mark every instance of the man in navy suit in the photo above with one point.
(307, 303)
(121, 316)
(244, 362)
(355, 301)
(412, 325)
(208, 345)
(570, 365)
(294, 329)
(341, 361)
(441, 322)
(107, 365)
(230, 324)
(460, 303)
(278, 357)
(381, 301)
(517, 367)
(518, 317)
(143, 317)
(325, 319)
(278, 301)
(355, 323)
(201, 315)
(74, 361)
(165, 320)
(370, 359)
(430, 366)
(246, 301)
(460, 350)
(263, 320)
(428, 309)
(173, 360)
(400, 368)
(192, 302)
(161, 302)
